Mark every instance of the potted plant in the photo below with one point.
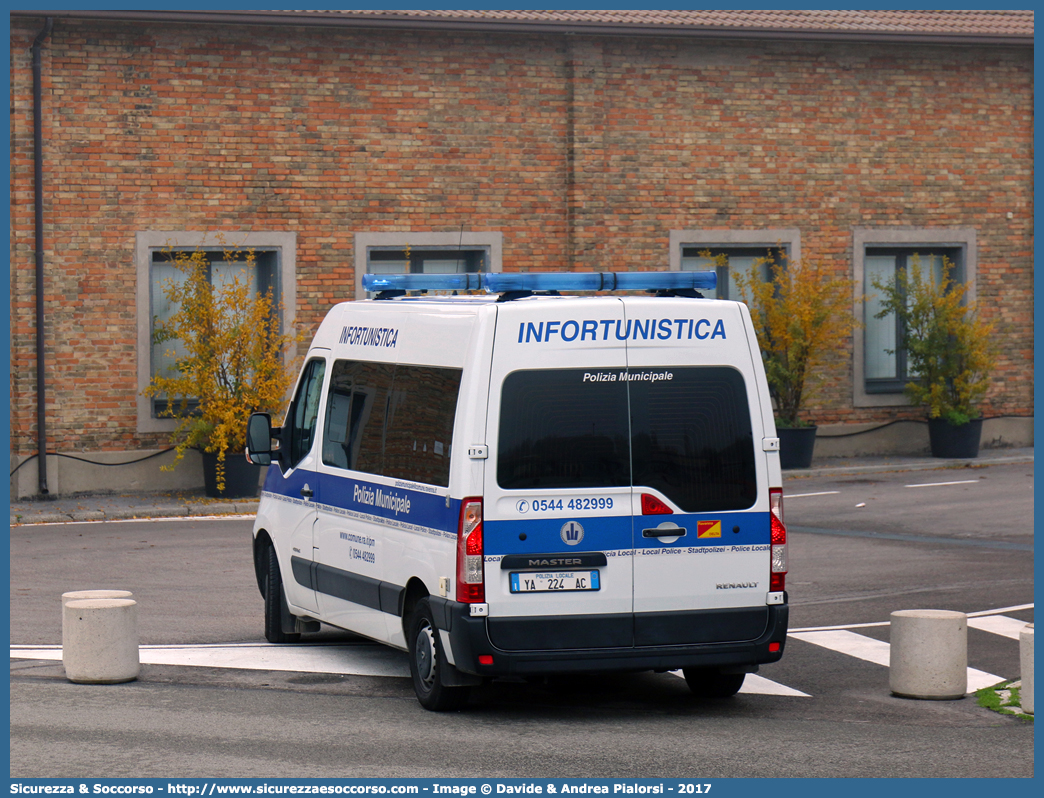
(801, 313)
(230, 363)
(949, 349)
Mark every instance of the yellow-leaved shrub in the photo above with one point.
(801, 314)
(950, 350)
(234, 356)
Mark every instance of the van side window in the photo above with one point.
(355, 415)
(420, 424)
(393, 421)
(304, 412)
(689, 437)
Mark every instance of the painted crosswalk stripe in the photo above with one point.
(759, 685)
(941, 484)
(998, 625)
(878, 652)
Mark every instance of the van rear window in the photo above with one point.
(559, 431)
(687, 435)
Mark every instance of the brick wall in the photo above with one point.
(583, 152)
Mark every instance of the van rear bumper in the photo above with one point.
(470, 639)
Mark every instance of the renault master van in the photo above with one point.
(530, 482)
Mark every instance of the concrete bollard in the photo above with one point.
(1026, 667)
(79, 595)
(929, 654)
(100, 640)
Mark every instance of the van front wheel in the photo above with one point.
(712, 683)
(277, 613)
(427, 661)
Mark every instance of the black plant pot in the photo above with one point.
(948, 440)
(795, 446)
(242, 479)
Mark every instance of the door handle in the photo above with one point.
(306, 492)
(661, 532)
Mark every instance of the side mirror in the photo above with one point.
(259, 439)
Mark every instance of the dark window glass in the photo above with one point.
(305, 411)
(420, 424)
(692, 439)
(395, 421)
(355, 415)
(559, 431)
(690, 436)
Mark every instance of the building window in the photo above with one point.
(881, 370)
(886, 369)
(743, 250)
(728, 262)
(223, 266)
(407, 260)
(425, 253)
(273, 269)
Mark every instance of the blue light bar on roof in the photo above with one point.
(423, 282)
(498, 282)
(501, 282)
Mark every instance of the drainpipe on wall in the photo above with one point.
(41, 404)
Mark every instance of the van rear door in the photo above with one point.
(701, 528)
(557, 496)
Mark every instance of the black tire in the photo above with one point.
(277, 613)
(427, 661)
(711, 683)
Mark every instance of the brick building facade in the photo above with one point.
(553, 141)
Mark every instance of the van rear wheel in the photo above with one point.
(427, 661)
(277, 613)
(712, 683)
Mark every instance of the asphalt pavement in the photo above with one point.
(115, 505)
(158, 718)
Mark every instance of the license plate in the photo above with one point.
(554, 582)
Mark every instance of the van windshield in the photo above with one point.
(684, 431)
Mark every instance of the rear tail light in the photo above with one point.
(470, 572)
(778, 577)
(653, 506)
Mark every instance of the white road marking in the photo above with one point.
(228, 517)
(979, 614)
(359, 660)
(803, 495)
(858, 646)
(940, 484)
(998, 624)
(878, 652)
(759, 685)
(368, 659)
(999, 610)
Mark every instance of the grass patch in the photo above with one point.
(1003, 698)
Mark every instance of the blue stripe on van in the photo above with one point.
(408, 508)
(614, 532)
(404, 506)
(601, 533)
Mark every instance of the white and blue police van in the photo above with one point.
(528, 482)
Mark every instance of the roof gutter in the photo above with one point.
(337, 20)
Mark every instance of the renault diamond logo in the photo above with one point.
(572, 533)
